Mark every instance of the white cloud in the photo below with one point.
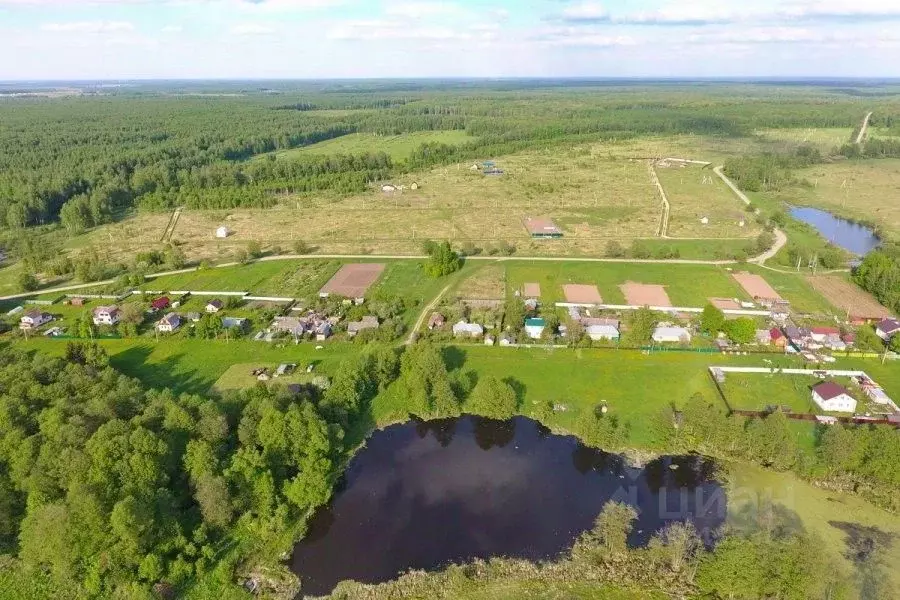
(584, 12)
(424, 10)
(251, 29)
(172, 29)
(88, 27)
(398, 29)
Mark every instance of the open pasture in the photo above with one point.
(685, 285)
(756, 391)
(696, 194)
(864, 190)
(825, 139)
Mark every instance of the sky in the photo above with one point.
(152, 39)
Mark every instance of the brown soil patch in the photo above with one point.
(644, 294)
(848, 297)
(756, 286)
(532, 290)
(582, 294)
(724, 303)
(353, 280)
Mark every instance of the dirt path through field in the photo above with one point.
(862, 130)
(428, 308)
(780, 237)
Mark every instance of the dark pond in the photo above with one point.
(856, 238)
(424, 494)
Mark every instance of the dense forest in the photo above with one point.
(879, 273)
(85, 160)
(109, 489)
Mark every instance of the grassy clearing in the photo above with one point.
(239, 377)
(485, 282)
(818, 511)
(194, 366)
(825, 139)
(296, 279)
(863, 190)
(756, 391)
(399, 147)
(408, 280)
(686, 285)
(691, 199)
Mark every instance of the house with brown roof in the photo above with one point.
(367, 322)
(832, 397)
(542, 228)
(214, 306)
(887, 328)
(436, 321)
(160, 303)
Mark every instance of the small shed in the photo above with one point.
(414, 186)
(388, 188)
(77, 301)
(222, 232)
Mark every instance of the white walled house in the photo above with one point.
(671, 334)
(468, 329)
(887, 328)
(832, 397)
(168, 323)
(34, 319)
(601, 329)
(107, 315)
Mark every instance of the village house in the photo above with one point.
(531, 304)
(534, 328)
(464, 329)
(367, 322)
(312, 324)
(34, 319)
(160, 303)
(671, 334)
(821, 334)
(488, 340)
(506, 339)
(76, 301)
(193, 317)
(233, 322)
(168, 323)
(542, 228)
(601, 329)
(763, 337)
(887, 328)
(106, 315)
(214, 306)
(832, 397)
(436, 321)
(848, 338)
(323, 331)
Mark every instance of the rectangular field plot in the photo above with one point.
(485, 283)
(755, 286)
(398, 146)
(685, 285)
(848, 297)
(582, 294)
(642, 294)
(701, 205)
(353, 280)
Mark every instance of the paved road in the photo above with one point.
(862, 130)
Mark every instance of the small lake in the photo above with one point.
(422, 495)
(856, 238)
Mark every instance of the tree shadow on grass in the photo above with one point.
(164, 374)
(519, 388)
(454, 357)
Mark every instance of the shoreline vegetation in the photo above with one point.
(333, 426)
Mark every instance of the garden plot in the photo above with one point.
(756, 286)
(643, 294)
(577, 293)
(353, 280)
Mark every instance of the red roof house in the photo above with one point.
(160, 303)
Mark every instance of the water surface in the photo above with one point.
(848, 235)
(424, 494)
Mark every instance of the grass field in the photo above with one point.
(296, 279)
(484, 282)
(821, 512)
(239, 376)
(825, 139)
(756, 391)
(863, 190)
(399, 147)
(686, 285)
(194, 366)
(691, 199)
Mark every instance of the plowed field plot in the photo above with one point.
(352, 281)
(756, 286)
(643, 294)
(848, 297)
(582, 294)
(725, 303)
(532, 290)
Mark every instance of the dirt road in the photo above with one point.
(862, 130)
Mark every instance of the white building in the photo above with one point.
(107, 315)
(168, 323)
(222, 232)
(33, 319)
(887, 328)
(463, 328)
(601, 329)
(534, 328)
(214, 306)
(832, 397)
(671, 333)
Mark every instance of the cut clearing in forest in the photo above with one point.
(756, 286)
(353, 280)
(643, 294)
(848, 297)
(582, 294)
(399, 147)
